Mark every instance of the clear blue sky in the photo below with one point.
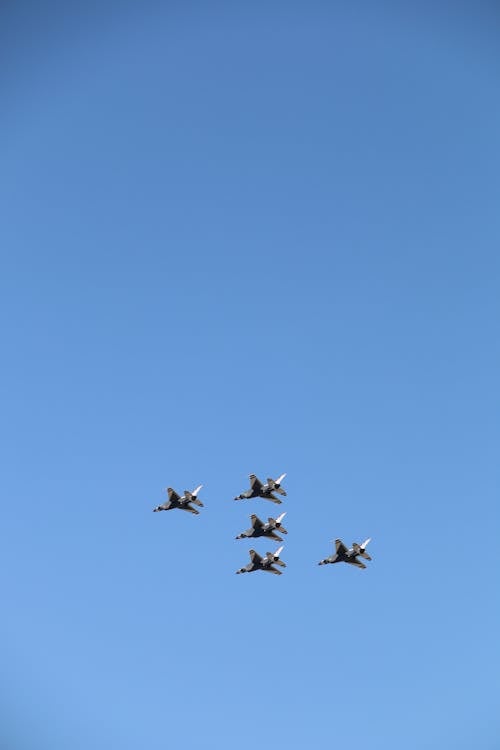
(255, 237)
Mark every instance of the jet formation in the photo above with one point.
(268, 529)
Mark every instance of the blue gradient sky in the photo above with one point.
(250, 238)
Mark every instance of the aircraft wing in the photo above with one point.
(270, 569)
(256, 522)
(254, 556)
(255, 482)
(340, 547)
(273, 498)
(186, 506)
(273, 535)
(357, 563)
(172, 494)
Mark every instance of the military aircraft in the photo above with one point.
(342, 554)
(264, 563)
(264, 529)
(257, 489)
(183, 503)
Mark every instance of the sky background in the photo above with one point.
(235, 238)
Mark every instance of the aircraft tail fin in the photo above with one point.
(275, 557)
(360, 549)
(278, 523)
(193, 496)
(275, 484)
(363, 549)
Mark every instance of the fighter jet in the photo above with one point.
(342, 554)
(264, 529)
(257, 489)
(183, 503)
(264, 563)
